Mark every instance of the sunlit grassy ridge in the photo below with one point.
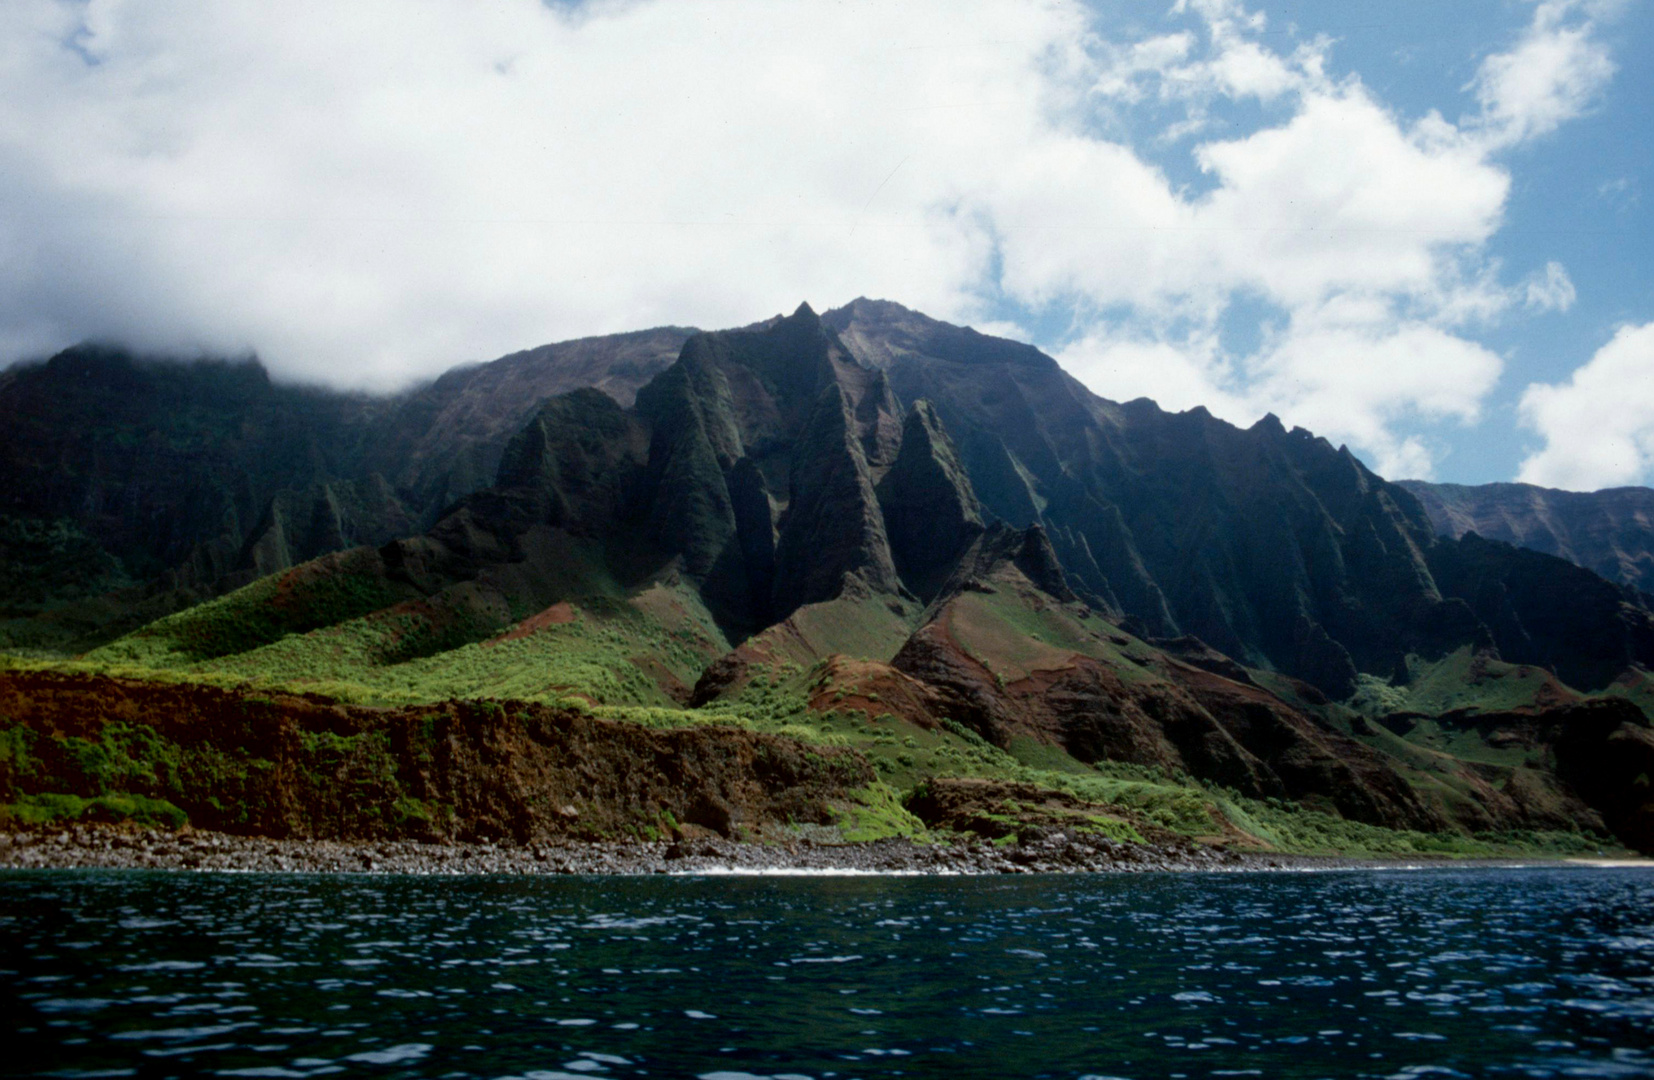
(1454, 726)
(1011, 636)
(590, 655)
(1461, 682)
(855, 626)
(328, 591)
(1636, 686)
(354, 637)
(605, 651)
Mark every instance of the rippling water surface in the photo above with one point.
(1386, 974)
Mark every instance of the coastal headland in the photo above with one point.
(854, 578)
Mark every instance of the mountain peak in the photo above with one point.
(1270, 423)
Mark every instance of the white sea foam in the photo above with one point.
(805, 871)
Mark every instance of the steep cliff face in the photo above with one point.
(296, 766)
(746, 470)
(1543, 611)
(1610, 532)
(1271, 545)
(930, 509)
(770, 466)
(765, 447)
(1010, 552)
(444, 441)
(201, 476)
(161, 463)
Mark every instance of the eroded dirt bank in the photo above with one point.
(301, 767)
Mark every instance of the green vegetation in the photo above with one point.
(867, 627)
(607, 652)
(35, 770)
(1461, 682)
(1046, 758)
(1637, 687)
(48, 562)
(407, 811)
(123, 755)
(905, 754)
(1289, 827)
(131, 773)
(54, 809)
(876, 812)
(1113, 828)
(351, 636)
(320, 594)
(1012, 634)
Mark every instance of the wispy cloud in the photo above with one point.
(1550, 289)
(1552, 75)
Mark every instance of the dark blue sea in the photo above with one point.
(1433, 973)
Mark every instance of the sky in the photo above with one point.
(1422, 229)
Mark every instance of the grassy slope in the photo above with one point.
(1440, 726)
(608, 652)
(1462, 682)
(1013, 634)
(621, 659)
(322, 593)
(1012, 637)
(874, 627)
(1636, 686)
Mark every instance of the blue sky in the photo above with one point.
(1419, 228)
(1578, 193)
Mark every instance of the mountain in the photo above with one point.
(873, 514)
(177, 481)
(1610, 532)
(1270, 545)
(444, 441)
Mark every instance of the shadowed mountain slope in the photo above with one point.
(444, 440)
(170, 465)
(950, 519)
(1271, 545)
(778, 459)
(177, 481)
(930, 509)
(747, 468)
(1610, 532)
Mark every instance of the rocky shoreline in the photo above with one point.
(115, 847)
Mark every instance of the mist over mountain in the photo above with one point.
(192, 478)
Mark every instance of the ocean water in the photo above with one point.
(1435, 973)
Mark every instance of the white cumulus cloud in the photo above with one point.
(1598, 426)
(1362, 375)
(371, 191)
(1366, 230)
(1178, 375)
(367, 193)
